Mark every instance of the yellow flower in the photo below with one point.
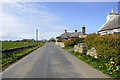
(110, 72)
(117, 69)
(106, 64)
(111, 59)
(112, 62)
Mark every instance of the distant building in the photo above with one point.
(112, 24)
(28, 40)
(52, 39)
(44, 40)
(68, 35)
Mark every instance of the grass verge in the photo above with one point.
(99, 64)
(70, 47)
(12, 57)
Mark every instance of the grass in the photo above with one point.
(99, 64)
(12, 44)
(70, 47)
(11, 57)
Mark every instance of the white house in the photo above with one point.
(112, 24)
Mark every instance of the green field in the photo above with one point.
(10, 45)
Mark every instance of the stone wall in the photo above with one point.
(80, 47)
(61, 44)
(92, 52)
(14, 49)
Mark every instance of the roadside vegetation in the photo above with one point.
(108, 67)
(108, 51)
(73, 41)
(70, 47)
(7, 58)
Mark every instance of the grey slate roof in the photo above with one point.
(112, 24)
(76, 34)
(65, 35)
(69, 35)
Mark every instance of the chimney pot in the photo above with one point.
(83, 30)
(113, 11)
(65, 31)
(76, 30)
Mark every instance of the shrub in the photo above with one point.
(108, 46)
(89, 39)
(59, 40)
(73, 41)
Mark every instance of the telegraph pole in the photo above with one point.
(37, 36)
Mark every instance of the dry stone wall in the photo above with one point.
(60, 44)
(80, 47)
(92, 52)
(14, 49)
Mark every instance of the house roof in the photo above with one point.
(68, 34)
(65, 35)
(111, 24)
(76, 34)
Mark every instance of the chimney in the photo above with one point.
(111, 15)
(113, 11)
(75, 30)
(65, 31)
(83, 30)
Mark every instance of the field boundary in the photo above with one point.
(17, 48)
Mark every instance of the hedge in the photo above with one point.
(73, 41)
(89, 39)
(108, 46)
(108, 51)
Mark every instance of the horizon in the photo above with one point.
(21, 19)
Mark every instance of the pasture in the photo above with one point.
(12, 44)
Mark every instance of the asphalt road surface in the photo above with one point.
(50, 61)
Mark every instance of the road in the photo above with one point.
(50, 61)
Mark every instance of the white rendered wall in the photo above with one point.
(110, 31)
(116, 30)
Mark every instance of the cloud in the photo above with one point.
(20, 19)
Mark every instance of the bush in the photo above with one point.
(108, 46)
(108, 51)
(89, 39)
(73, 41)
(59, 40)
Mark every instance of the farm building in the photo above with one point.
(112, 24)
(29, 40)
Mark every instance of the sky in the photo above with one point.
(19, 20)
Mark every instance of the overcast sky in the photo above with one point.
(19, 20)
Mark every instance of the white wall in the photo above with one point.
(110, 31)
